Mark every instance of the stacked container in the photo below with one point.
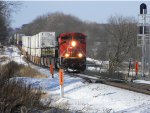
(33, 45)
(45, 44)
(18, 38)
(42, 44)
(26, 43)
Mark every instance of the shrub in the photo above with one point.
(8, 70)
(3, 59)
(15, 96)
(13, 69)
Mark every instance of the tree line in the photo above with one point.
(114, 41)
(6, 9)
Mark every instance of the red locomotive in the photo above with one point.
(71, 51)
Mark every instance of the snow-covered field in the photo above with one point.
(86, 97)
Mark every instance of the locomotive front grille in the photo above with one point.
(74, 63)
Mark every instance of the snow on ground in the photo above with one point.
(97, 61)
(142, 81)
(104, 65)
(89, 98)
(16, 56)
(13, 53)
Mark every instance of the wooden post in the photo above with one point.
(61, 82)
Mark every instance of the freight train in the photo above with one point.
(68, 50)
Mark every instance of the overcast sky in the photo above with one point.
(97, 11)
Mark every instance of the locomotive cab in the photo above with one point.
(72, 51)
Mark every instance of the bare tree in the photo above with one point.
(122, 32)
(6, 8)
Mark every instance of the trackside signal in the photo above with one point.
(136, 68)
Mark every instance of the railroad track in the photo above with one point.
(140, 88)
(136, 87)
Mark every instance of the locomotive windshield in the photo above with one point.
(66, 37)
(77, 37)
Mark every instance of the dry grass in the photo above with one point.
(3, 59)
(8, 70)
(17, 97)
(14, 69)
(27, 71)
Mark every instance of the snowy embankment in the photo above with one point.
(85, 97)
(141, 81)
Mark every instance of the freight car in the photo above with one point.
(18, 39)
(68, 50)
(40, 48)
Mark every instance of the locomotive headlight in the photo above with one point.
(66, 55)
(73, 43)
(80, 55)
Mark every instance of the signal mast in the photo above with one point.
(143, 37)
